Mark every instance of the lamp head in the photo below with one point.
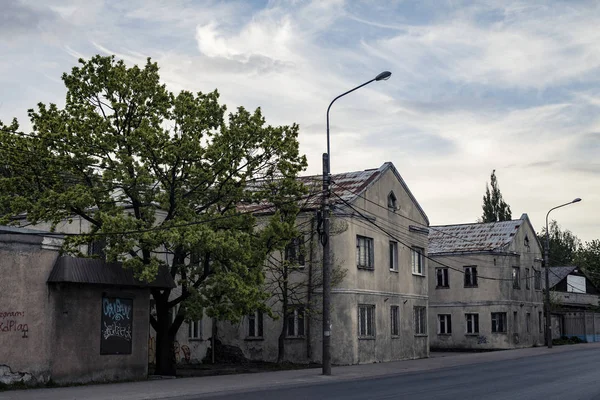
(577, 200)
(384, 76)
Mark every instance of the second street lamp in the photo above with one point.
(326, 357)
(547, 267)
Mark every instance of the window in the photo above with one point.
(96, 248)
(366, 321)
(364, 252)
(441, 278)
(394, 256)
(255, 325)
(472, 323)
(499, 322)
(516, 276)
(295, 322)
(527, 285)
(540, 321)
(195, 329)
(294, 251)
(470, 276)
(417, 261)
(526, 242)
(444, 324)
(537, 279)
(528, 322)
(395, 320)
(515, 321)
(392, 205)
(420, 320)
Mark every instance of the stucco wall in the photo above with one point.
(26, 307)
(77, 327)
(495, 294)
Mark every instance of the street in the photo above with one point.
(568, 375)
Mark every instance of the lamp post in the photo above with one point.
(325, 236)
(547, 267)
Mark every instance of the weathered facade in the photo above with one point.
(574, 301)
(379, 309)
(68, 319)
(485, 286)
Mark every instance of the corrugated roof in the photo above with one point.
(557, 274)
(472, 237)
(95, 271)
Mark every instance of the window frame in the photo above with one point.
(516, 275)
(294, 252)
(369, 257)
(395, 320)
(445, 281)
(470, 276)
(527, 283)
(420, 320)
(498, 318)
(472, 323)
(255, 325)
(369, 329)
(414, 250)
(392, 202)
(195, 330)
(537, 279)
(444, 322)
(297, 316)
(528, 322)
(393, 256)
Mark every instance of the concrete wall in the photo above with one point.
(77, 327)
(26, 308)
(490, 295)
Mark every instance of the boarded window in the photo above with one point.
(116, 325)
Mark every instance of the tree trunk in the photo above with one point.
(165, 357)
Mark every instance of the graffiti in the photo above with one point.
(482, 340)
(175, 351)
(13, 324)
(114, 330)
(187, 354)
(116, 309)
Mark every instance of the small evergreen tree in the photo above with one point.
(494, 207)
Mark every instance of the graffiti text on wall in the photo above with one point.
(11, 321)
(116, 326)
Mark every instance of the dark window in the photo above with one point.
(499, 322)
(392, 204)
(395, 320)
(366, 320)
(255, 324)
(537, 279)
(472, 323)
(420, 320)
(294, 251)
(516, 276)
(528, 322)
(364, 252)
(295, 322)
(441, 278)
(394, 256)
(527, 283)
(444, 324)
(540, 321)
(470, 276)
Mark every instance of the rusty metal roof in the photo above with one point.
(492, 236)
(96, 271)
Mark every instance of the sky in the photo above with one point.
(476, 86)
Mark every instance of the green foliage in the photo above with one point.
(587, 258)
(159, 177)
(494, 207)
(563, 245)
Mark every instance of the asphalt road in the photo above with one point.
(570, 375)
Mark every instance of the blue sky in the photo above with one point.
(476, 85)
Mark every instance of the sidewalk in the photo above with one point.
(168, 388)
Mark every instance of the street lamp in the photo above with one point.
(547, 267)
(385, 75)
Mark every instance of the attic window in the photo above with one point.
(392, 204)
(526, 241)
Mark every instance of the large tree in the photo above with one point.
(160, 178)
(563, 244)
(588, 258)
(494, 207)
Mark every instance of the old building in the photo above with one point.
(575, 302)
(485, 286)
(379, 308)
(68, 319)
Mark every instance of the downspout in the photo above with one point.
(309, 294)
